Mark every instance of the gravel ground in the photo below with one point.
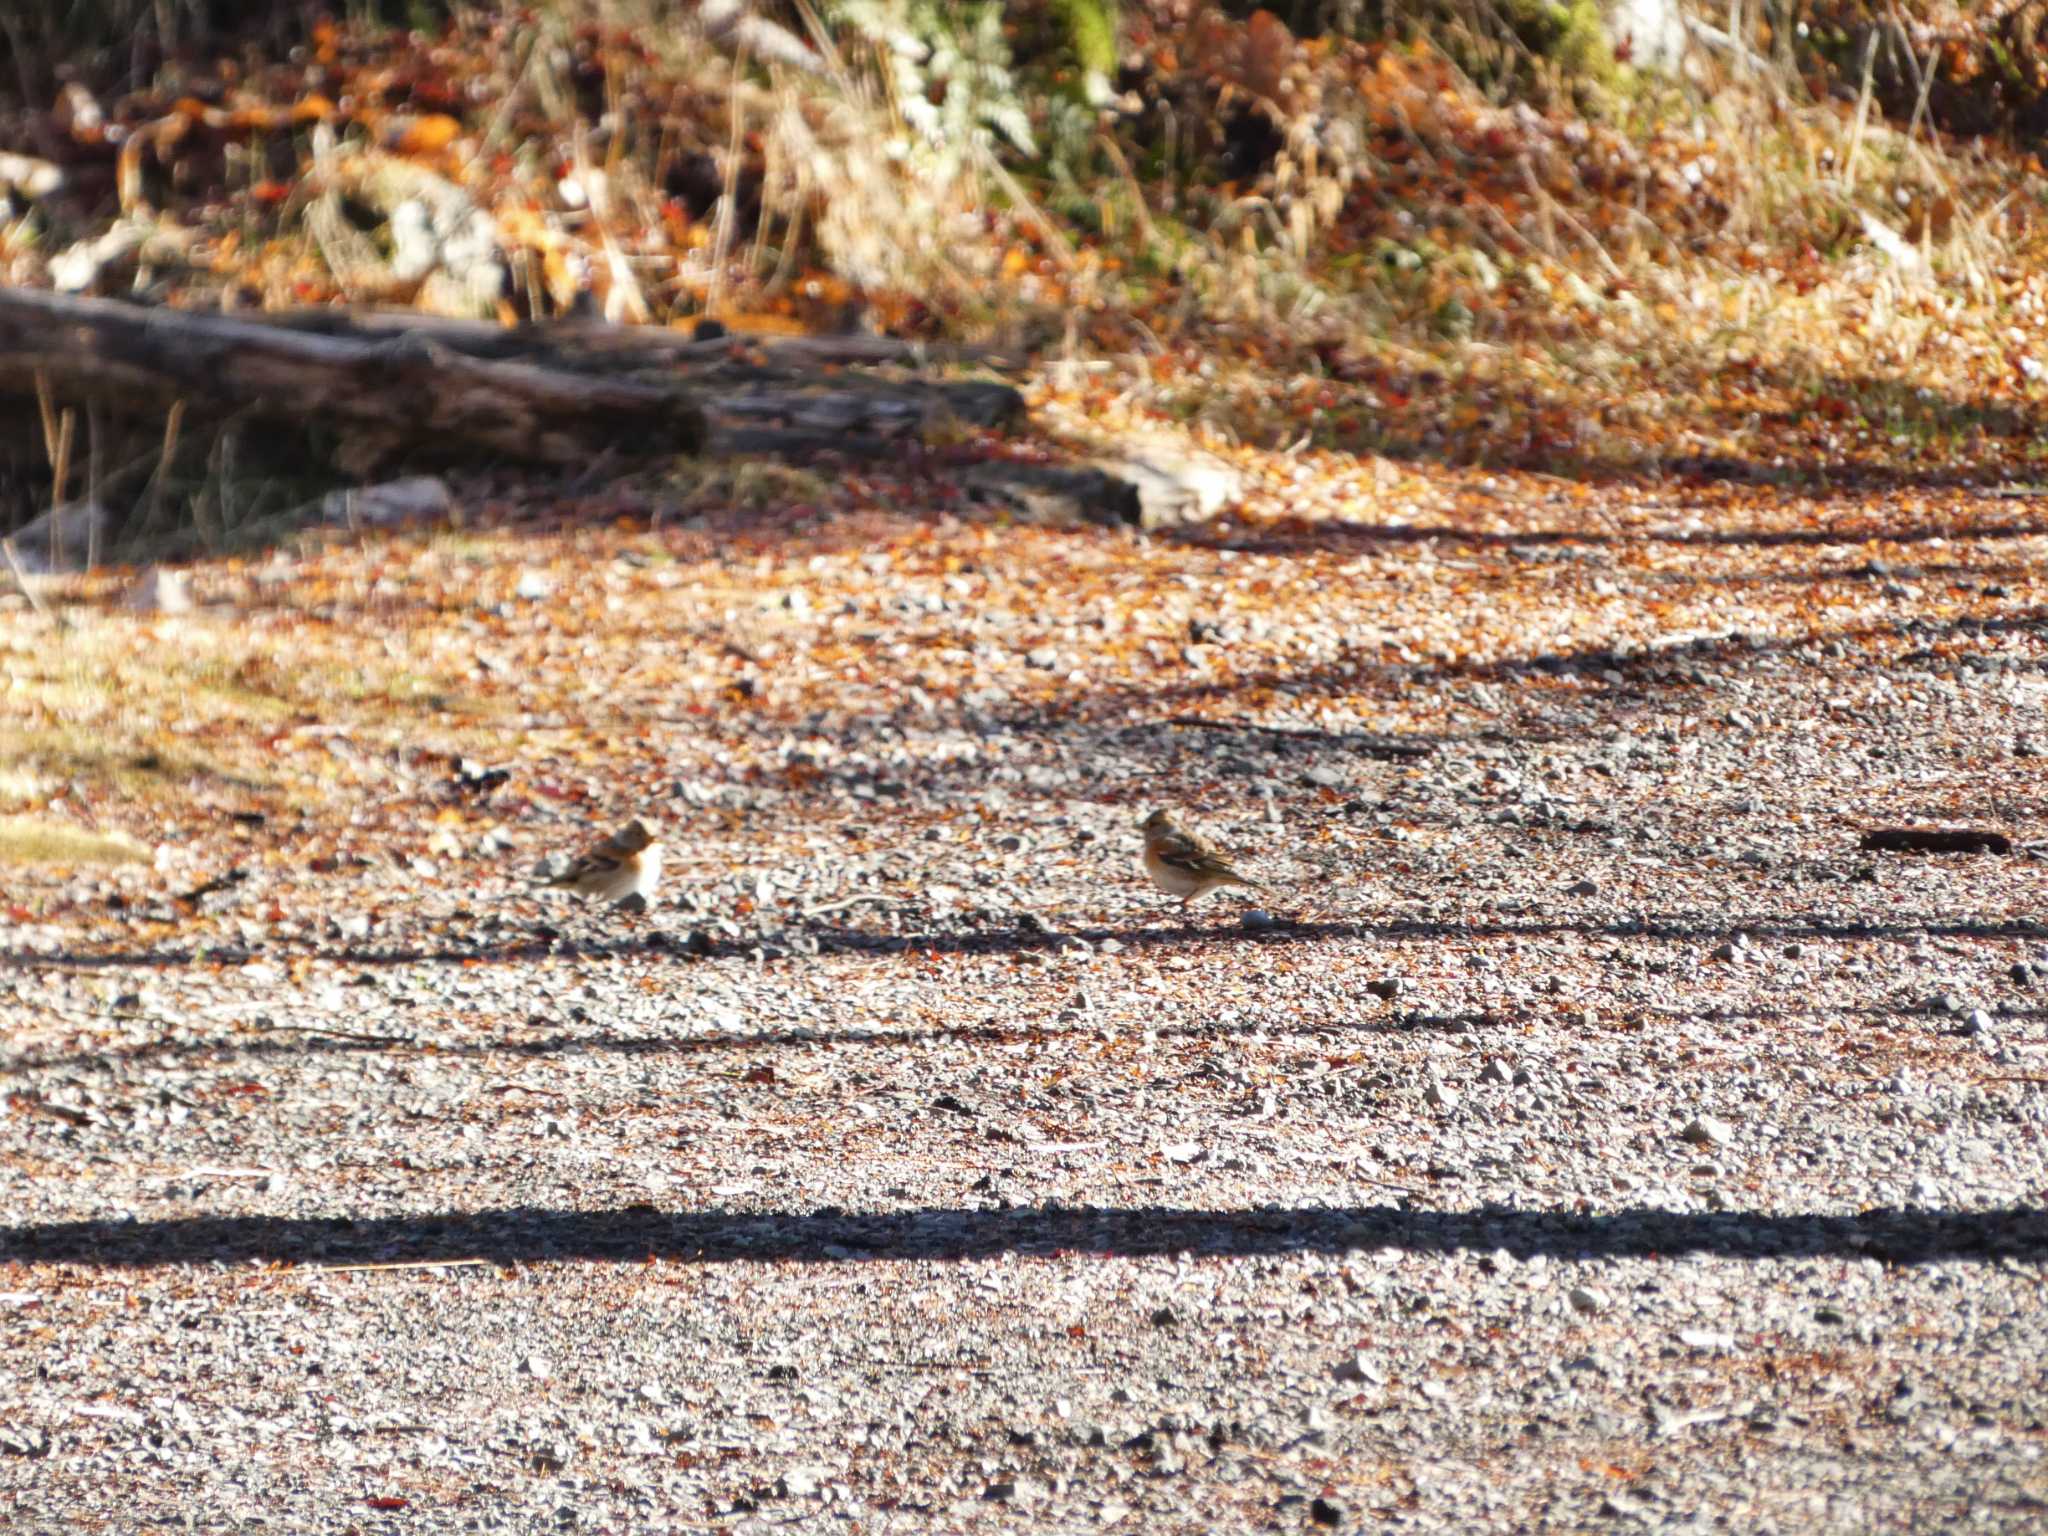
(1585, 1135)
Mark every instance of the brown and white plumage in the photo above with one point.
(624, 865)
(1184, 863)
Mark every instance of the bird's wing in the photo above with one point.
(1194, 853)
(605, 859)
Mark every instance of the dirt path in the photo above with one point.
(1590, 1137)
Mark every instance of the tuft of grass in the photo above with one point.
(756, 485)
(31, 840)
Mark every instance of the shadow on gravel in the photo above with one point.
(636, 1233)
(1673, 660)
(1033, 937)
(312, 1040)
(1338, 535)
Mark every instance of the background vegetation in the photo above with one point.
(1479, 230)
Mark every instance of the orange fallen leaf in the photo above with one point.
(422, 135)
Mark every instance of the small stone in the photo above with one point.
(1794, 951)
(2022, 974)
(159, 591)
(1184, 1152)
(537, 1367)
(1585, 1299)
(1387, 987)
(1495, 1071)
(1164, 1317)
(1708, 1339)
(1358, 1366)
(1326, 1512)
(799, 1483)
(24, 1440)
(1583, 888)
(1706, 1131)
(1013, 1490)
(1978, 1023)
(1727, 951)
(1904, 1400)
(1256, 918)
(533, 587)
(1440, 1097)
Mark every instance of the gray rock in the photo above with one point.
(1359, 1367)
(799, 1482)
(159, 590)
(1706, 1131)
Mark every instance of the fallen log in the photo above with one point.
(810, 381)
(594, 340)
(407, 394)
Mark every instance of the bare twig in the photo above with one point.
(92, 485)
(728, 202)
(347, 1269)
(21, 578)
(42, 1106)
(60, 473)
(1862, 114)
(1056, 243)
(48, 406)
(155, 492)
(1123, 169)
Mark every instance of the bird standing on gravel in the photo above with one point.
(624, 866)
(1186, 864)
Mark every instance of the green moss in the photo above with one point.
(1570, 35)
(1091, 33)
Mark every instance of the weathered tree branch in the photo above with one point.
(406, 393)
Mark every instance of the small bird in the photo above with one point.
(625, 865)
(1183, 863)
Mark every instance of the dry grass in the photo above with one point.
(32, 840)
(1494, 262)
